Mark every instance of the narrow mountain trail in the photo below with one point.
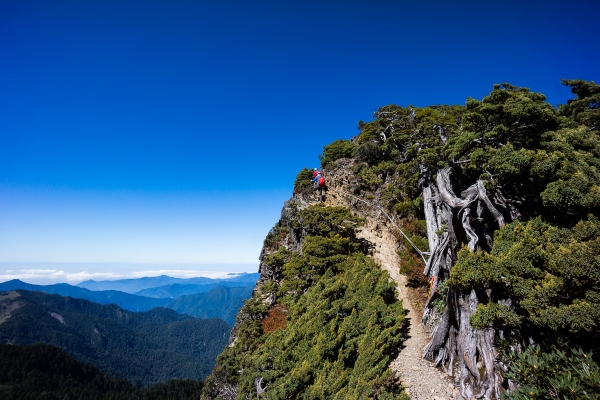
(419, 377)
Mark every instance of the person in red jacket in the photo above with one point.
(319, 183)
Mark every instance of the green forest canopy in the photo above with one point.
(43, 371)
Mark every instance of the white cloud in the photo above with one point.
(121, 271)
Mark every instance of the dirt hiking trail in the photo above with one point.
(421, 380)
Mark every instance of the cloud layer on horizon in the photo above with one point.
(43, 274)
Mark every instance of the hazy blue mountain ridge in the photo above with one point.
(137, 284)
(216, 302)
(176, 290)
(124, 300)
(223, 302)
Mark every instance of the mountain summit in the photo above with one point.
(489, 211)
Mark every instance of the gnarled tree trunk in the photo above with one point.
(452, 221)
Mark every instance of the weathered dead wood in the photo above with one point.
(483, 196)
(432, 216)
(473, 238)
(451, 222)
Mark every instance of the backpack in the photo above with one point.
(321, 181)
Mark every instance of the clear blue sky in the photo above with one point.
(171, 131)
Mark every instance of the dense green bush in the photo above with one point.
(549, 375)
(340, 335)
(336, 150)
(552, 273)
(303, 184)
(342, 324)
(276, 234)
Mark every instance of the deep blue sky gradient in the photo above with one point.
(172, 101)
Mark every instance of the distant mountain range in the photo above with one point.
(143, 347)
(215, 298)
(176, 290)
(124, 300)
(136, 285)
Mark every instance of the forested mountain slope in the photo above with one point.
(144, 348)
(219, 302)
(42, 371)
(495, 207)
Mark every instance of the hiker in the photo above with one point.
(319, 183)
(315, 172)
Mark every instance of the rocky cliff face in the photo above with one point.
(283, 235)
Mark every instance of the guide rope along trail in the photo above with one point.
(382, 211)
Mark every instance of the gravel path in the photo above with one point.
(421, 380)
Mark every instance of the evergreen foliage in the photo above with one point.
(339, 338)
(539, 276)
(303, 181)
(275, 236)
(584, 108)
(553, 374)
(342, 321)
(336, 150)
(552, 273)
